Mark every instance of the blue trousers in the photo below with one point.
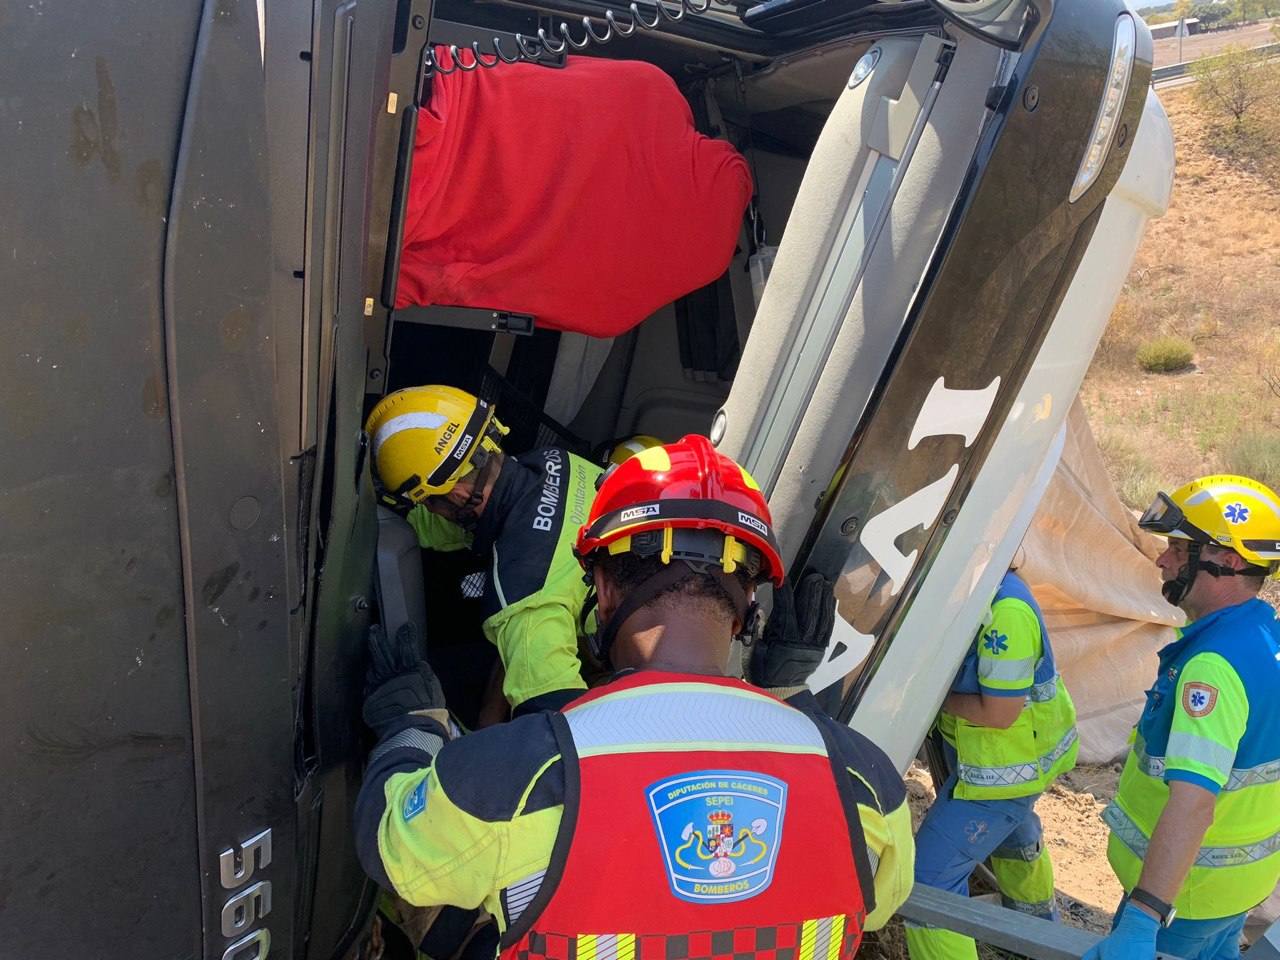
(1217, 939)
(955, 837)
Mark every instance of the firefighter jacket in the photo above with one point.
(662, 815)
(1212, 719)
(1012, 657)
(534, 586)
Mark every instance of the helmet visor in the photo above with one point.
(1166, 518)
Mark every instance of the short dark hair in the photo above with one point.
(627, 571)
(1256, 580)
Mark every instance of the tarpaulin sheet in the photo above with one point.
(1093, 571)
(581, 195)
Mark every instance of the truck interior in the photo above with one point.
(669, 374)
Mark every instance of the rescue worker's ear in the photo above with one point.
(606, 595)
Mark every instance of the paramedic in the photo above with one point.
(1008, 725)
(673, 812)
(437, 458)
(1195, 825)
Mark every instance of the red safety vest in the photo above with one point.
(702, 819)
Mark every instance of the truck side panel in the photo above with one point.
(97, 839)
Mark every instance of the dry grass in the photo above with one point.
(1209, 271)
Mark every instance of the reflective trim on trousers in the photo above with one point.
(1018, 772)
(1044, 909)
(1238, 779)
(1131, 835)
(653, 716)
(1027, 853)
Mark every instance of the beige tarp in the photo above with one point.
(1092, 571)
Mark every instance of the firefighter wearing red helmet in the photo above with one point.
(674, 812)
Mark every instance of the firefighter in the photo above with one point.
(1195, 824)
(438, 459)
(624, 450)
(673, 812)
(1008, 727)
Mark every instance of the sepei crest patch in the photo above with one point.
(1199, 699)
(415, 802)
(719, 832)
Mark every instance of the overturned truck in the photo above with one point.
(876, 278)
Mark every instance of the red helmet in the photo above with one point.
(654, 501)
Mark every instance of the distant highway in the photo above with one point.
(1177, 74)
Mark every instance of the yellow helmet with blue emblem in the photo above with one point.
(1223, 510)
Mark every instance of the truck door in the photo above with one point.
(948, 267)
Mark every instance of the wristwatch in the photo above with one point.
(1164, 911)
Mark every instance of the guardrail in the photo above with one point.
(1007, 929)
(1175, 70)
(1028, 936)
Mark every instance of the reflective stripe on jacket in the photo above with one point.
(1012, 657)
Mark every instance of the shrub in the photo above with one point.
(1256, 453)
(1165, 354)
(1234, 82)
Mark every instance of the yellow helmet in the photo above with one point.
(426, 439)
(1225, 510)
(624, 450)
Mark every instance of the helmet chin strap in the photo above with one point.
(466, 514)
(1175, 590)
(602, 640)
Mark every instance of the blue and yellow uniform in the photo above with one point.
(987, 807)
(486, 819)
(534, 586)
(1210, 720)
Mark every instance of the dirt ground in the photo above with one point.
(1207, 44)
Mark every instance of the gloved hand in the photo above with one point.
(796, 636)
(1134, 937)
(398, 680)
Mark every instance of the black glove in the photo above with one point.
(796, 636)
(398, 680)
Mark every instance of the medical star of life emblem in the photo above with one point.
(1199, 699)
(996, 642)
(1237, 513)
(718, 831)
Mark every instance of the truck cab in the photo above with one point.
(205, 211)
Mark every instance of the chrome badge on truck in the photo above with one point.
(251, 902)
